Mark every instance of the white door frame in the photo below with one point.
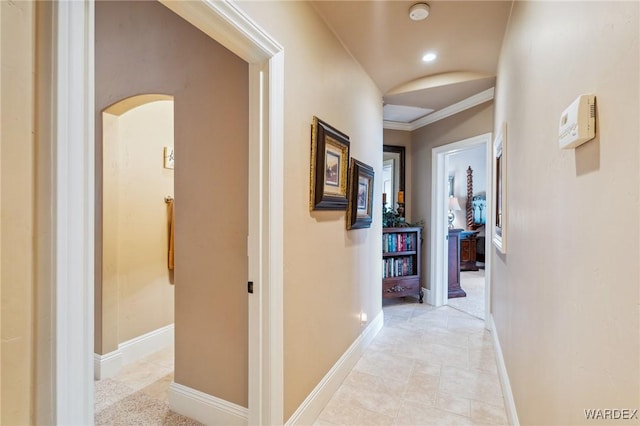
(74, 192)
(439, 240)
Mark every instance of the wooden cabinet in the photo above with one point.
(454, 265)
(468, 241)
(401, 262)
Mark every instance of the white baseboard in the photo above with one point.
(509, 402)
(108, 365)
(142, 346)
(311, 407)
(428, 295)
(205, 408)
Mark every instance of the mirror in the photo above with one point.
(392, 174)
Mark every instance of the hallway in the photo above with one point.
(427, 366)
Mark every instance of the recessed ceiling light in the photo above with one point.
(429, 57)
(419, 11)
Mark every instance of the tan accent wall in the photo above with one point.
(330, 274)
(466, 124)
(565, 296)
(44, 292)
(142, 47)
(17, 195)
(403, 138)
(135, 216)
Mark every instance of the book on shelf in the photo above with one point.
(398, 267)
(398, 242)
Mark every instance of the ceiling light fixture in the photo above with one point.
(429, 57)
(419, 11)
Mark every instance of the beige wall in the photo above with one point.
(466, 124)
(565, 296)
(142, 47)
(330, 274)
(134, 220)
(402, 138)
(17, 194)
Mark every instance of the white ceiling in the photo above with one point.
(466, 35)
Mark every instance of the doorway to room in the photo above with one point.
(459, 247)
(74, 192)
(466, 191)
(135, 330)
(211, 187)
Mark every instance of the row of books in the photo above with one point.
(392, 243)
(397, 267)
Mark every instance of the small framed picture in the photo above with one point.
(169, 157)
(360, 210)
(329, 167)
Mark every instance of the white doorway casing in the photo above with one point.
(439, 241)
(74, 194)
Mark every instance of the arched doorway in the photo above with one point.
(137, 295)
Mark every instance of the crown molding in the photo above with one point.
(396, 125)
(470, 102)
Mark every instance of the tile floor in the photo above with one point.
(427, 366)
(472, 282)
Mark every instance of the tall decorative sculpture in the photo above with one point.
(470, 222)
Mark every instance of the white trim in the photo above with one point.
(272, 391)
(226, 23)
(73, 211)
(509, 401)
(205, 408)
(397, 125)
(107, 365)
(488, 252)
(438, 257)
(312, 406)
(470, 102)
(142, 346)
(428, 294)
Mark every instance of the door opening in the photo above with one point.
(74, 192)
(441, 158)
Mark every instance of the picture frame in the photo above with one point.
(329, 167)
(169, 157)
(361, 181)
(499, 190)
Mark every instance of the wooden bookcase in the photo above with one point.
(401, 263)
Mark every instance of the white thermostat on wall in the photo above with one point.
(578, 122)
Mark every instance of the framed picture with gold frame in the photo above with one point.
(360, 210)
(329, 167)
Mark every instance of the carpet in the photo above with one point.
(120, 405)
(472, 282)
